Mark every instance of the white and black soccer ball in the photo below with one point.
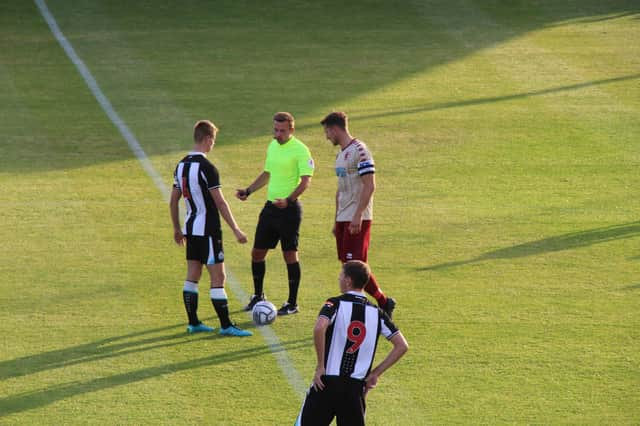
(264, 312)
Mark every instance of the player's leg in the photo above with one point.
(356, 247)
(196, 256)
(217, 293)
(289, 236)
(316, 409)
(350, 409)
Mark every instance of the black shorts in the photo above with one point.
(276, 224)
(342, 397)
(206, 250)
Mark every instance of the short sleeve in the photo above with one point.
(366, 164)
(306, 165)
(387, 328)
(176, 181)
(329, 308)
(210, 175)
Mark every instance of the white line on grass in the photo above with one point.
(279, 351)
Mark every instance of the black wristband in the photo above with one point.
(247, 191)
(290, 201)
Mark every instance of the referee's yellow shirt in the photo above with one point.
(285, 164)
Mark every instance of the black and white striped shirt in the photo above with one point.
(194, 177)
(352, 336)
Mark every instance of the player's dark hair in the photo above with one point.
(336, 118)
(358, 271)
(282, 117)
(202, 129)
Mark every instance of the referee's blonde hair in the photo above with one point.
(283, 116)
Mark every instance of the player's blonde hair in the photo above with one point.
(203, 129)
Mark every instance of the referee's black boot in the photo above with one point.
(252, 302)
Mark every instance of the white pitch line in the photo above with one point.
(279, 351)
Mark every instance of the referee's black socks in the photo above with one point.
(294, 273)
(190, 298)
(258, 269)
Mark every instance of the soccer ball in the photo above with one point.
(264, 312)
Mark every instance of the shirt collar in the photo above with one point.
(197, 153)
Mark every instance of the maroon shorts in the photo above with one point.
(353, 246)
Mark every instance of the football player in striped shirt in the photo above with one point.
(198, 182)
(345, 338)
(355, 170)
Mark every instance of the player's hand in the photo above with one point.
(355, 226)
(242, 194)
(370, 382)
(317, 379)
(281, 203)
(178, 237)
(240, 236)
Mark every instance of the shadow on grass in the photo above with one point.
(632, 287)
(110, 347)
(91, 352)
(495, 99)
(551, 244)
(150, 58)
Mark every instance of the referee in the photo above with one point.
(345, 337)
(287, 173)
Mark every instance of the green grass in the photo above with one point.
(506, 141)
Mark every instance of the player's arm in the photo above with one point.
(336, 215)
(225, 212)
(400, 347)
(260, 181)
(368, 187)
(319, 333)
(174, 210)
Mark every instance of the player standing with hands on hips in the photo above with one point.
(198, 181)
(287, 173)
(355, 170)
(345, 338)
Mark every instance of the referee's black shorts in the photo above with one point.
(342, 397)
(276, 224)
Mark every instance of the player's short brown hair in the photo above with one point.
(281, 117)
(202, 129)
(358, 271)
(336, 118)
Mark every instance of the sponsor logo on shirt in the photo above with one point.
(311, 163)
(341, 171)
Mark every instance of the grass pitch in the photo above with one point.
(506, 141)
